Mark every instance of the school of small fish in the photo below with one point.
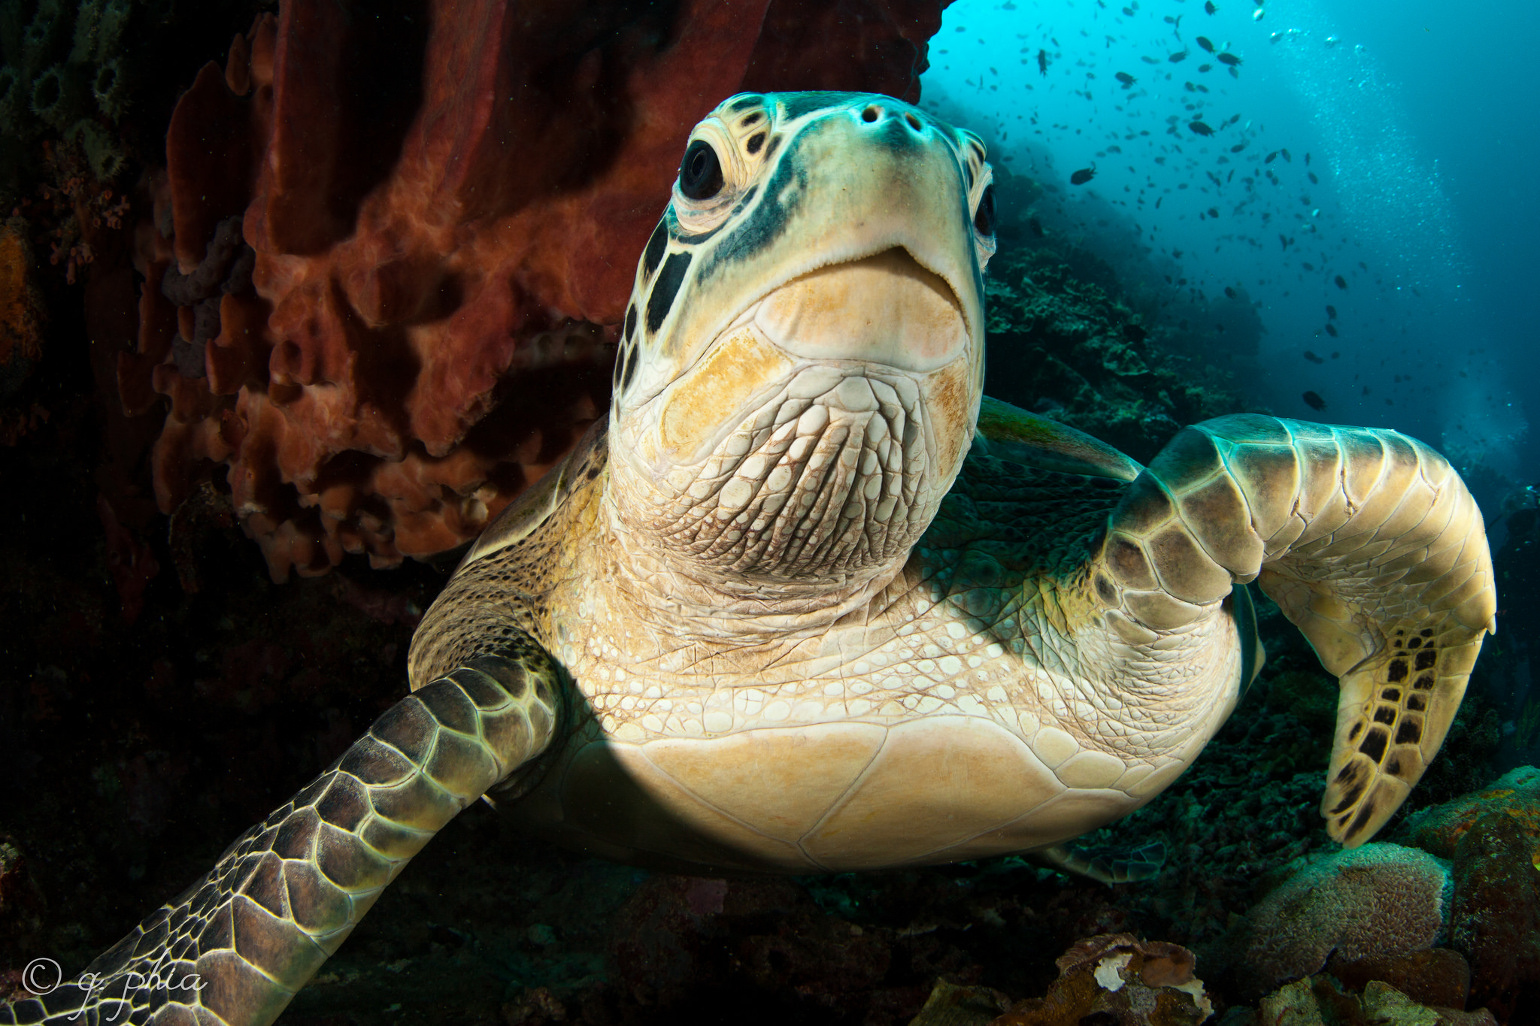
(1250, 186)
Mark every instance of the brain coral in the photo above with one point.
(387, 263)
(1380, 899)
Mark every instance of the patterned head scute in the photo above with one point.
(821, 250)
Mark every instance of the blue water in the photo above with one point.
(1419, 124)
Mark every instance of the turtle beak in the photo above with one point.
(886, 308)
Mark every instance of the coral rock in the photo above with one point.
(442, 233)
(1438, 976)
(1380, 900)
(21, 309)
(1516, 794)
(1118, 980)
(1317, 1001)
(1495, 920)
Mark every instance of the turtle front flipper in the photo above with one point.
(235, 947)
(1368, 541)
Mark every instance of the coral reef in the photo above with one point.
(1495, 920)
(1062, 344)
(443, 230)
(1380, 900)
(1440, 829)
(1436, 976)
(95, 76)
(1317, 1001)
(68, 71)
(1119, 980)
(22, 317)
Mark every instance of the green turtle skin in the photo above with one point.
(807, 601)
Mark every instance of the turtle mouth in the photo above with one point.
(886, 308)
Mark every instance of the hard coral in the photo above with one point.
(443, 228)
(1378, 900)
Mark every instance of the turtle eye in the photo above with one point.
(984, 217)
(700, 173)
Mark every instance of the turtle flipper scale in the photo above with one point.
(1368, 541)
(235, 947)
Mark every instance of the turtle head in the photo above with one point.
(801, 362)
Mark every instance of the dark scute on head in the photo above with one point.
(630, 370)
(744, 102)
(654, 252)
(755, 142)
(664, 290)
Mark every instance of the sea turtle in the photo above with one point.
(807, 601)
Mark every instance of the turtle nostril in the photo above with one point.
(914, 122)
(869, 115)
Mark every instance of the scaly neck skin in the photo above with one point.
(798, 516)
